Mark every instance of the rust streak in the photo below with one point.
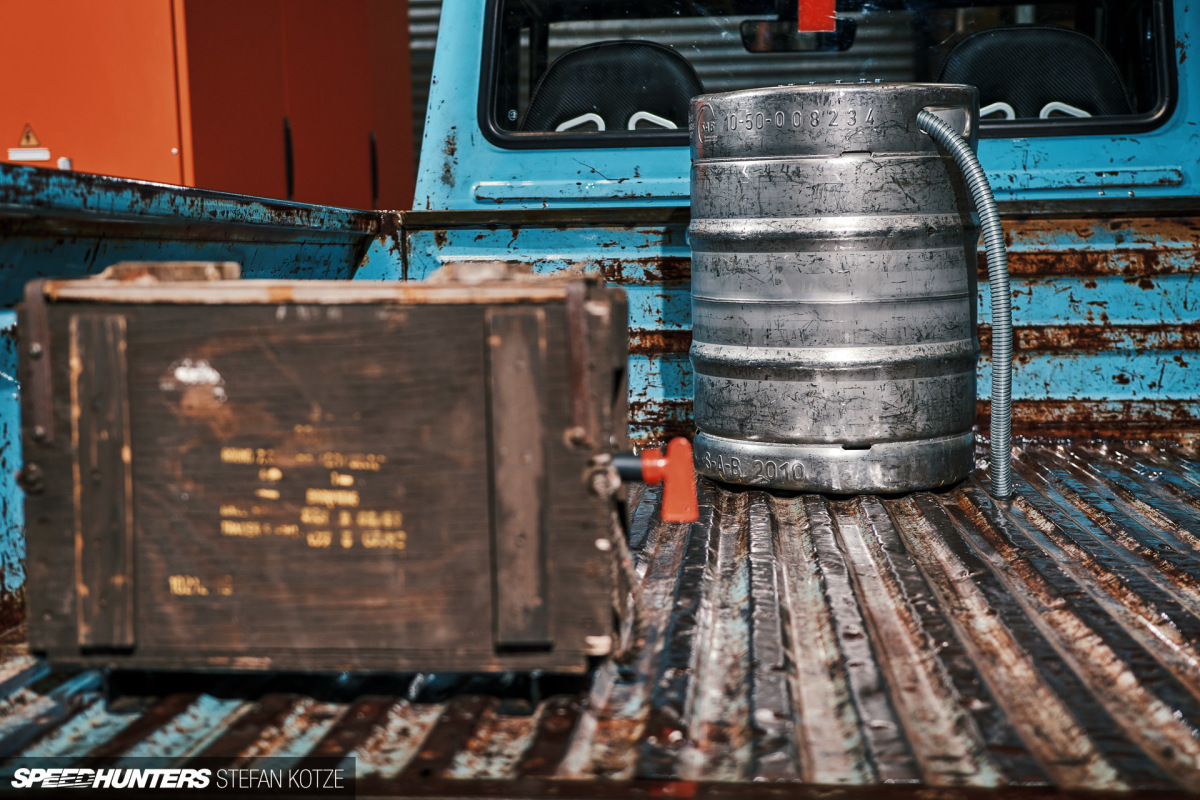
(1068, 338)
(831, 745)
(240, 735)
(644, 341)
(666, 419)
(1149, 229)
(495, 747)
(638, 271)
(1166, 420)
(1044, 721)
(605, 741)
(944, 743)
(1149, 722)
(1095, 263)
(1153, 626)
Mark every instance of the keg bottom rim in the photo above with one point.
(885, 468)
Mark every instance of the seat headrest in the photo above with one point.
(1029, 66)
(614, 80)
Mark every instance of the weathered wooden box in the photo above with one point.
(306, 475)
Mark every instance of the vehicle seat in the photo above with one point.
(613, 86)
(1030, 66)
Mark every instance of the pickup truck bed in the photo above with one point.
(935, 639)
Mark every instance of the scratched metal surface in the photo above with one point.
(931, 640)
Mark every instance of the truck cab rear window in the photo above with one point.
(577, 73)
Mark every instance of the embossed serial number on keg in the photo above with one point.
(815, 118)
(753, 470)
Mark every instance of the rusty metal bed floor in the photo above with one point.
(930, 640)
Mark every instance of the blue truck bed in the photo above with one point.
(930, 640)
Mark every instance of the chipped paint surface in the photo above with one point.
(81, 224)
(187, 732)
(96, 724)
(494, 748)
(393, 744)
(12, 499)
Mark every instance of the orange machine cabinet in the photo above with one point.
(300, 99)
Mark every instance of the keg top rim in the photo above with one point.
(815, 88)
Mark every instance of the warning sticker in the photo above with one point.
(28, 137)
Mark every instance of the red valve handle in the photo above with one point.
(678, 476)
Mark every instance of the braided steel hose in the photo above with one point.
(1002, 345)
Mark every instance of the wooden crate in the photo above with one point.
(313, 475)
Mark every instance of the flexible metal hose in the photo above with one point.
(1002, 346)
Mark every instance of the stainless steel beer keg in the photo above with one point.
(833, 288)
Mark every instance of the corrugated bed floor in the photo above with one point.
(929, 640)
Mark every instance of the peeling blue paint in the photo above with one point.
(66, 224)
(1111, 375)
(12, 523)
(1116, 300)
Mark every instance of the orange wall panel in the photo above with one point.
(391, 100)
(235, 94)
(96, 81)
(329, 100)
(197, 91)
